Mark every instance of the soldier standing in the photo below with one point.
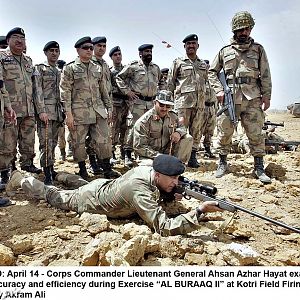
(247, 73)
(138, 81)
(162, 84)
(17, 72)
(158, 131)
(120, 103)
(87, 106)
(49, 122)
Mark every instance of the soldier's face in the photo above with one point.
(100, 49)
(85, 51)
(146, 55)
(242, 35)
(191, 47)
(17, 44)
(117, 58)
(52, 55)
(166, 183)
(162, 109)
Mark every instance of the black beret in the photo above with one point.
(82, 41)
(113, 50)
(168, 165)
(206, 61)
(144, 47)
(164, 70)
(60, 63)
(16, 30)
(190, 37)
(51, 44)
(99, 39)
(3, 41)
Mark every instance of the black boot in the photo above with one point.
(260, 171)
(96, 170)
(13, 166)
(82, 170)
(122, 153)
(108, 171)
(32, 168)
(193, 163)
(222, 167)
(128, 159)
(208, 153)
(4, 179)
(63, 154)
(4, 202)
(54, 173)
(48, 176)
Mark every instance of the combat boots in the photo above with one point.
(193, 163)
(96, 170)
(31, 168)
(128, 159)
(4, 179)
(82, 170)
(48, 176)
(208, 153)
(108, 172)
(222, 166)
(260, 171)
(63, 154)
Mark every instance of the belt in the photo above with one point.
(120, 96)
(243, 80)
(209, 103)
(146, 98)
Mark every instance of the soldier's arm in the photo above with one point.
(38, 95)
(172, 77)
(106, 98)
(66, 87)
(215, 68)
(5, 96)
(141, 140)
(265, 75)
(122, 80)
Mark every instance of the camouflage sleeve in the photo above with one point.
(38, 96)
(265, 75)
(122, 79)
(215, 68)
(141, 140)
(147, 207)
(66, 87)
(4, 94)
(106, 98)
(172, 75)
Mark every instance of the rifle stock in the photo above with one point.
(200, 192)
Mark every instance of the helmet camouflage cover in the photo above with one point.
(242, 20)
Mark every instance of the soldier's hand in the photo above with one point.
(220, 97)
(44, 117)
(132, 96)
(10, 115)
(178, 196)
(209, 206)
(70, 121)
(265, 103)
(175, 137)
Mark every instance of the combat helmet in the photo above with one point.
(242, 19)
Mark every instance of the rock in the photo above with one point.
(211, 248)
(153, 244)
(267, 198)
(71, 214)
(275, 171)
(7, 257)
(64, 263)
(116, 259)
(239, 255)
(289, 257)
(131, 229)
(73, 228)
(21, 244)
(64, 234)
(195, 259)
(94, 223)
(91, 254)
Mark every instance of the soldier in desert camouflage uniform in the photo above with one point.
(162, 84)
(186, 79)
(158, 131)
(247, 73)
(120, 104)
(87, 106)
(138, 191)
(49, 123)
(210, 118)
(138, 81)
(17, 72)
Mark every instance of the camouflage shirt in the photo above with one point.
(17, 73)
(117, 96)
(248, 63)
(186, 79)
(152, 133)
(133, 193)
(83, 91)
(139, 78)
(49, 82)
(105, 70)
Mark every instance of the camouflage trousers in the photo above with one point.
(193, 120)
(22, 134)
(62, 137)
(137, 111)
(209, 125)
(250, 113)
(48, 136)
(99, 141)
(119, 130)
(5, 156)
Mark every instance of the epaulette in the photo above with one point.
(134, 62)
(225, 47)
(70, 62)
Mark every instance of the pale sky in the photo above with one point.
(130, 23)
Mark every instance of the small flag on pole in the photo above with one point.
(166, 44)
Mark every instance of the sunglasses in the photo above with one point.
(164, 105)
(87, 48)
